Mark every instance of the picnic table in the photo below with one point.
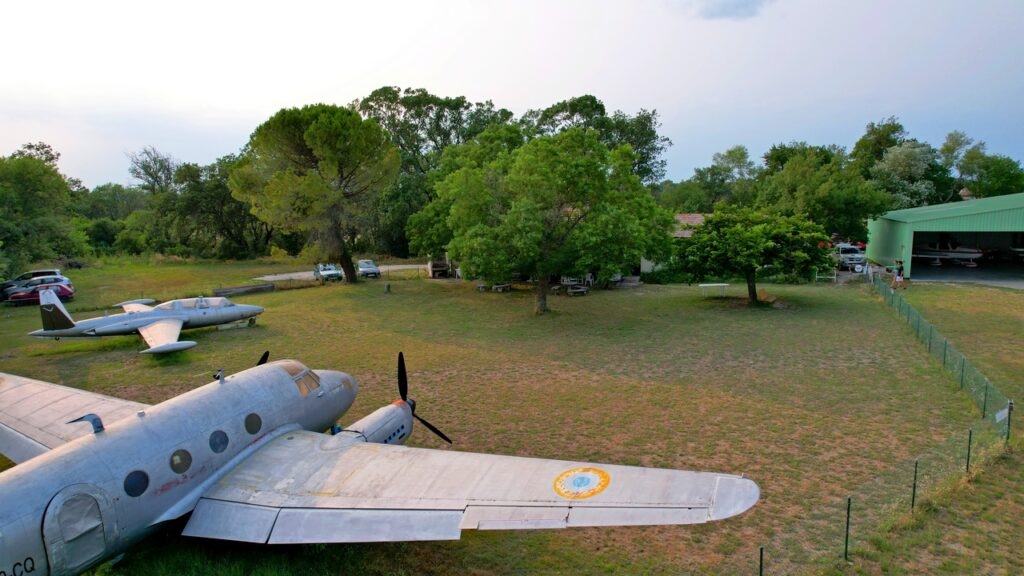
(577, 290)
(501, 288)
(705, 287)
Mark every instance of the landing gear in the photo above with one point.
(252, 321)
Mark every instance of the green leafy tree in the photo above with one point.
(740, 242)
(832, 194)
(560, 204)
(988, 175)
(422, 125)
(34, 219)
(317, 169)
(640, 132)
(221, 225)
(113, 201)
(877, 138)
(911, 172)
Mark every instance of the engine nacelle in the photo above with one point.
(391, 424)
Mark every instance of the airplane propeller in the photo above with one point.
(264, 358)
(403, 392)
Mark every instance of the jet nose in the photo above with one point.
(733, 495)
(254, 310)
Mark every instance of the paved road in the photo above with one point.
(308, 275)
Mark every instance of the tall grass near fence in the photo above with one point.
(820, 541)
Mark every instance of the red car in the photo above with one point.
(64, 290)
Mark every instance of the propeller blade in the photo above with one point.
(403, 381)
(264, 358)
(432, 428)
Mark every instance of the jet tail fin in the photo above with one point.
(55, 316)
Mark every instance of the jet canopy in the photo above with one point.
(200, 302)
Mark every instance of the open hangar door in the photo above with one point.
(969, 256)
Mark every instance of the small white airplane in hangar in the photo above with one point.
(245, 456)
(159, 325)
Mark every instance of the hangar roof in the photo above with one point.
(955, 209)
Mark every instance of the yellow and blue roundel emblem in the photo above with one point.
(580, 483)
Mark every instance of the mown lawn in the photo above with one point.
(976, 526)
(811, 401)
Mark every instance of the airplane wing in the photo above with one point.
(305, 487)
(34, 415)
(162, 336)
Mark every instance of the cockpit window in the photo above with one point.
(167, 305)
(305, 379)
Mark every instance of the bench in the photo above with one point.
(578, 290)
(501, 288)
(704, 289)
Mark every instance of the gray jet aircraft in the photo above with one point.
(246, 457)
(159, 325)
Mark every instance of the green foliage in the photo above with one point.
(112, 201)
(560, 204)
(640, 132)
(221, 225)
(832, 194)
(317, 170)
(991, 174)
(877, 138)
(34, 200)
(741, 242)
(911, 172)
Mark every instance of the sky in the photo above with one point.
(100, 80)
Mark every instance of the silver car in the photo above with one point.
(367, 269)
(849, 256)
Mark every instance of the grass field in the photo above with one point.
(974, 527)
(811, 401)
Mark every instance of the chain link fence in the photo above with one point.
(825, 532)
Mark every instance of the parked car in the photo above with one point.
(63, 288)
(325, 272)
(367, 269)
(13, 282)
(849, 256)
(32, 283)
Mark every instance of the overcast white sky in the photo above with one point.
(98, 80)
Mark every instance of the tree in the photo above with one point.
(112, 201)
(316, 169)
(422, 126)
(640, 132)
(989, 175)
(832, 194)
(560, 204)
(877, 138)
(736, 241)
(912, 174)
(34, 200)
(40, 151)
(221, 225)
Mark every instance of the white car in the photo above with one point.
(849, 256)
(326, 272)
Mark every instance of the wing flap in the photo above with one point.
(231, 521)
(34, 414)
(162, 335)
(308, 526)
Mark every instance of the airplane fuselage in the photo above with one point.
(130, 322)
(80, 503)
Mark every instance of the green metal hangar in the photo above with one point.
(953, 241)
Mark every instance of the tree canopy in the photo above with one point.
(316, 169)
(558, 205)
(735, 241)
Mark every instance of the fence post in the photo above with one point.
(760, 563)
(1009, 419)
(970, 437)
(913, 491)
(945, 348)
(846, 540)
(963, 360)
(984, 402)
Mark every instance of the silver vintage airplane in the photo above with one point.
(245, 456)
(158, 325)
